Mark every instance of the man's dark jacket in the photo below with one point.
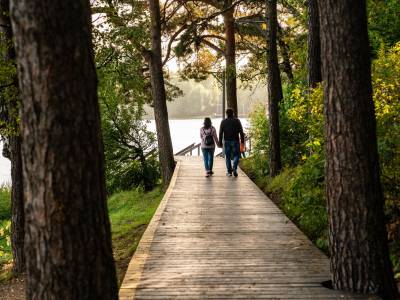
(230, 130)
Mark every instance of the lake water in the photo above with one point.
(183, 133)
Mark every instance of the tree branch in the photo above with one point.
(213, 36)
(215, 47)
(171, 40)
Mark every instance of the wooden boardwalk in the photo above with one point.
(222, 238)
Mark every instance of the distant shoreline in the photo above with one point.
(195, 118)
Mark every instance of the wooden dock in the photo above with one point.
(222, 238)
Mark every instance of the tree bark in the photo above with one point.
(230, 57)
(274, 90)
(17, 206)
(166, 154)
(68, 239)
(314, 45)
(17, 195)
(358, 239)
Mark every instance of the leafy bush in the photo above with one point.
(129, 147)
(386, 94)
(386, 83)
(127, 174)
(301, 127)
(259, 136)
(383, 23)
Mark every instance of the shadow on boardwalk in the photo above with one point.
(222, 238)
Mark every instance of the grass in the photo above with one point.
(5, 216)
(5, 204)
(129, 212)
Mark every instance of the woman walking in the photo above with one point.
(209, 139)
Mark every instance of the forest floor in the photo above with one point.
(130, 212)
(13, 289)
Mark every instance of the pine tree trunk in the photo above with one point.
(166, 154)
(314, 45)
(230, 58)
(17, 206)
(274, 90)
(17, 193)
(68, 240)
(358, 239)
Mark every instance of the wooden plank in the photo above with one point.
(222, 238)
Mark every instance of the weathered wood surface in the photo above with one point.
(222, 238)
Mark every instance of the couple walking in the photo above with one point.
(229, 132)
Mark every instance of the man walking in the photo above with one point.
(229, 131)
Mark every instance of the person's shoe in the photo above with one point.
(229, 174)
(211, 173)
(207, 174)
(235, 174)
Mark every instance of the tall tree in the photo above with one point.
(274, 89)
(158, 91)
(10, 97)
(132, 38)
(68, 240)
(314, 45)
(358, 239)
(230, 56)
(204, 30)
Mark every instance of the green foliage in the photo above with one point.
(299, 187)
(9, 103)
(386, 83)
(5, 216)
(303, 198)
(129, 147)
(5, 243)
(301, 127)
(123, 89)
(259, 135)
(384, 23)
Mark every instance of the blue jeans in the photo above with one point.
(208, 157)
(232, 147)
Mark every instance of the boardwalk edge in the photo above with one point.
(138, 260)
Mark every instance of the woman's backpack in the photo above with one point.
(208, 139)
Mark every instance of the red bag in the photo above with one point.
(242, 147)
